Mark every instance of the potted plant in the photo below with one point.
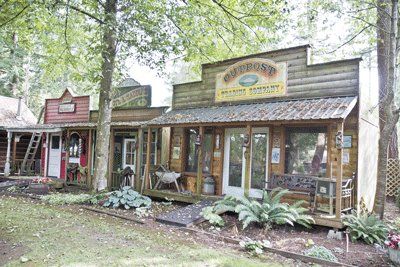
(39, 186)
(393, 244)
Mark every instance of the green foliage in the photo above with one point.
(209, 214)
(68, 199)
(128, 198)
(321, 252)
(267, 213)
(366, 227)
(255, 247)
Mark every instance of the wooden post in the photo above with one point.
(139, 159)
(66, 154)
(89, 160)
(247, 155)
(111, 159)
(14, 154)
(148, 163)
(339, 176)
(46, 154)
(199, 177)
(7, 165)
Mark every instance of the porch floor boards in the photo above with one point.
(185, 216)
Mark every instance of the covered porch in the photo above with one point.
(307, 146)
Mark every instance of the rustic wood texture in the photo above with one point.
(130, 114)
(304, 81)
(81, 113)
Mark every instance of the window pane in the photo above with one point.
(235, 159)
(192, 152)
(55, 142)
(258, 160)
(306, 152)
(207, 153)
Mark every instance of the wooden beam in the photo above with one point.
(111, 159)
(7, 165)
(139, 156)
(14, 154)
(148, 159)
(66, 153)
(247, 155)
(46, 155)
(199, 177)
(339, 176)
(89, 160)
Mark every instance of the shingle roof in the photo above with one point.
(303, 110)
(8, 113)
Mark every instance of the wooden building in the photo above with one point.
(68, 135)
(14, 113)
(271, 120)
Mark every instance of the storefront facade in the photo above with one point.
(274, 120)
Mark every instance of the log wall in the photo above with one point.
(337, 78)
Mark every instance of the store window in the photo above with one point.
(74, 146)
(192, 150)
(306, 151)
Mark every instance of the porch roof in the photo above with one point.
(290, 110)
(60, 127)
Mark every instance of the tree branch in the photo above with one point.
(86, 13)
(14, 17)
(348, 41)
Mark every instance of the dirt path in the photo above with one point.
(53, 235)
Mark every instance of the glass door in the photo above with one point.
(234, 162)
(129, 153)
(233, 174)
(259, 161)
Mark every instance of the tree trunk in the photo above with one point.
(14, 76)
(105, 105)
(394, 145)
(389, 114)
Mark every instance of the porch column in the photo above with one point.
(46, 155)
(7, 165)
(89, 160)
(247, 155)
(139, 159)
(14, 154)
(110, 173)
(148, 163)
(339, 174)
(199, 177)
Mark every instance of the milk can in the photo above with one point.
(209, 186)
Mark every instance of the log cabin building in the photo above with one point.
(68, 133)
(272, 120)
(14, 113)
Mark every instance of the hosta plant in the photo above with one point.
(128, 198)
(266, 213)
(366, 227)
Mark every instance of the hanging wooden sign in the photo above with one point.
(251, 79)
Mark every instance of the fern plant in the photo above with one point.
(209, 214)
(266, 213)
(366, 227)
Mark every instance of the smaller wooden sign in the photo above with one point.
(275, 155)
(66, 108)
(176, 152)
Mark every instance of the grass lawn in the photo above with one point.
(53, 235)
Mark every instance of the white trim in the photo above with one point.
(257, 193)
(60, 152)
(124, 165)
(46, 153)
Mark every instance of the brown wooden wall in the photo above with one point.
(133, 114)
(328, 79)
(81, 113)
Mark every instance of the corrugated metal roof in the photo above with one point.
(302, 109)
(8, 113)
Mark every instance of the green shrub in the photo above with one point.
(255, 247)
(209, 214)
(266, 213)
(68, 199)
(128, 198)
(366, 227)
(321, 252)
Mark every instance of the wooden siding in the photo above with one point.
(81, 113)
(304, 81)
(133, 114)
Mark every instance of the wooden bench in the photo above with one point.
(298, 184)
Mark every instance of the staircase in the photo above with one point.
(29, 157)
